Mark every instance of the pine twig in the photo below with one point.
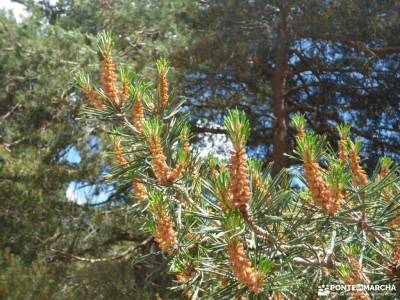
(106, 259)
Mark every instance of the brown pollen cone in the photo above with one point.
(165, 234)
(164, 97)
(139, 189)
(395, 222)
(384, 171)
(124, 92)
(138, 115)
(319, 191)
(176, 173)
(239, 173)
(158, 161)
(259, 183)
(336, 197)
(301, 133)
(117, 148)
(358, 175)
(241, 266)
(94, 97)
(109, 80)
(325, 271)
(358, 274)
(184, 276)
(343, 155)
(358, 295)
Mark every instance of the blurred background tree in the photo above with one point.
(45, 153)
(336, 61)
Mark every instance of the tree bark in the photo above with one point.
(279, 78)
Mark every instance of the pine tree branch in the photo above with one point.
(197, 129)
(9, 113)
(334, 116)
(129, 124)
(106, 259)
(314, 262)
(124, 236)
(359, 45)
(263, 234)
(363, 225)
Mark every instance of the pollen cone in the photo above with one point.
(241, 267)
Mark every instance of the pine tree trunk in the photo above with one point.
(281, 122)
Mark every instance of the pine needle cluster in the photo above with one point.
(229, 229)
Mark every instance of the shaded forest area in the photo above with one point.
(334, 61)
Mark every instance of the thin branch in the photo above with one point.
(364, 225)
(313, 262)
(263, 234)
(106, 259)
(197, 129)
(359, 45)
(129, 124)
(9, 113)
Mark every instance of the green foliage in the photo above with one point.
(105, 42)
(343, 130)
(287, 238)
(54, 248)
(43, 150)
(298, 122)
(126, 75)
(337, 176)
(232, 225)
(310, 148)
(162, 66)
(157, 201)
(153, 128)
(238, 127)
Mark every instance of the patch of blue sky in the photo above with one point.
(71, 156)
(84, 193)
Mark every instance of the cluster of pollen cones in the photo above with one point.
(117, 148)
(165, 234)
(124, 92)
(395, 263)
(241, 266)
(138, 115)
(239, 173)
(164, 97)
(94, 97)
(139, 189)
(162, 171)
(358, 175)
(328, 197)
(109, 80)
(357, 276)
(323, 196)
(239, 196)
